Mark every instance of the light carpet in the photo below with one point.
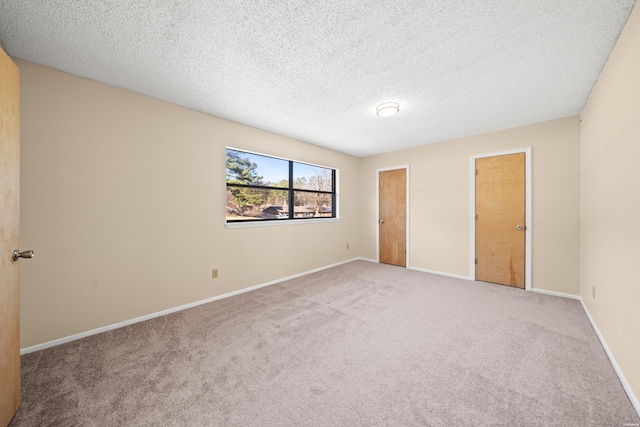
(360, 344)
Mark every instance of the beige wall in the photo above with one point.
(123, 201)
(440, 181)
(610, 202)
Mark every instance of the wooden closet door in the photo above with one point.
(500, 219)
(392, 222)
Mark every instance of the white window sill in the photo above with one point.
(275, 223)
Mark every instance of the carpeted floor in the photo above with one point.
(361, 344)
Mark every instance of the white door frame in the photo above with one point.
(528, 209)
(406, 167)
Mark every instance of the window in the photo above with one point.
(264, 188)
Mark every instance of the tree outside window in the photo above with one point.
(263, 188)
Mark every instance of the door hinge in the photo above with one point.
(476, 217)
(476, 261)
(476, 172)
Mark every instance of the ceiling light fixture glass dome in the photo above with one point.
(388, 109)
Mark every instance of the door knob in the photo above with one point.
(25, 254)
(521, 227)
(381, 221)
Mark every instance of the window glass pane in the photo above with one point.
(258, 188)
(308, 177)
(256, 203)
(312, 205)
(254, 169)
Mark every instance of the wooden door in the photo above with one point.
(392, 222)
(9, 218)
(500, 219)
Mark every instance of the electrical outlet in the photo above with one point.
(593, 292)
(347, 246)
(214, 273)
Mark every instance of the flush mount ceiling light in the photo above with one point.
(388, 109)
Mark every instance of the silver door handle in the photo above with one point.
(381, 221)
(521, 227)
(25, 254)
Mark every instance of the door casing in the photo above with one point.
(406, 167)
(528, 209)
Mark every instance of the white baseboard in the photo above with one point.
(623, 380)
(616, 367)
(81, 335)
(555, 294)
(440, 273)
(424, 270)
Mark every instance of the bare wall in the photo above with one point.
(610, 202)
(440, 207)
(123, 200)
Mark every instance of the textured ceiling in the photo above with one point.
(315, 70)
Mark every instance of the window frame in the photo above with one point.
(291, 190)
